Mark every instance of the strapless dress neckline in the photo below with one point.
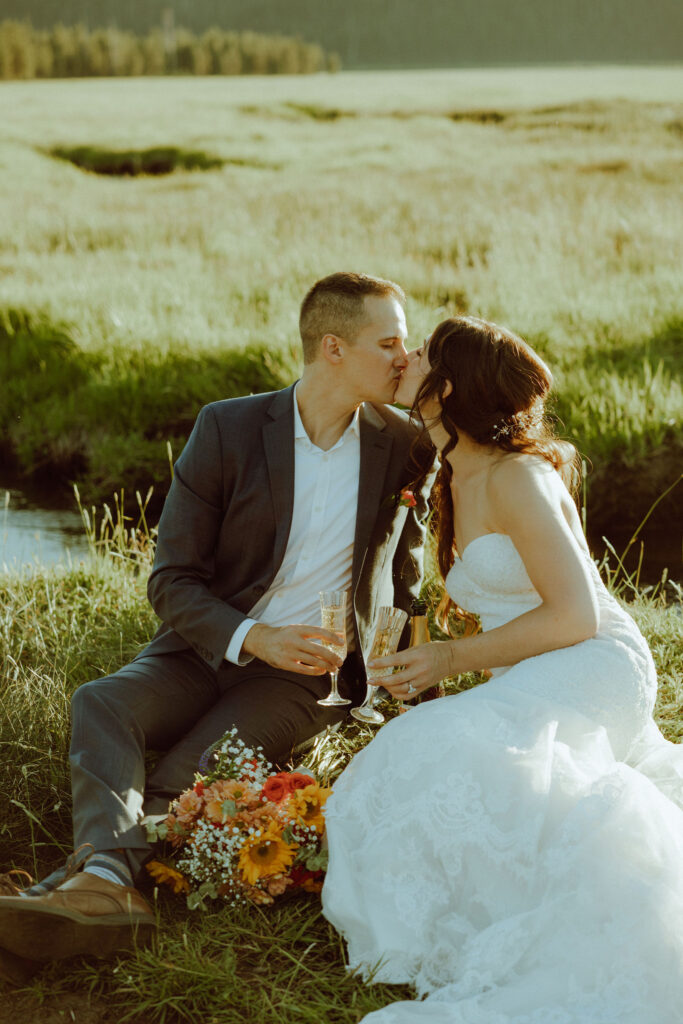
(491, 569)
(482, 536)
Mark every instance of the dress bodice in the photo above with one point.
(490, 580)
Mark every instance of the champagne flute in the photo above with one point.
(333, 617)
(390, 623)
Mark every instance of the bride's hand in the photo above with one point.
(420, 667)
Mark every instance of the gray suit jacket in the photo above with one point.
(224, 527)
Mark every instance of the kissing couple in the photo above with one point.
(515, 852)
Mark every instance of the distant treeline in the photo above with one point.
(408, 33)
(76, 52)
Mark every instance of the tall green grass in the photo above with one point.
(64, 626)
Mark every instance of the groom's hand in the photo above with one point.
(292, 648)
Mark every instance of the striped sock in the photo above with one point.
(110, 865)
(48, 884)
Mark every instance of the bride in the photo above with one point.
(515, 852)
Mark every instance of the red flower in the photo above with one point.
(297, 780)
(309, 881)
(276, 788)
(299, 875)
(407, 499)
(199, 788)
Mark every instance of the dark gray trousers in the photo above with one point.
(177, 704)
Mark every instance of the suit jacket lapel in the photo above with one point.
(375, 451)
(278, 443)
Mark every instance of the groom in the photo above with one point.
(274, 498)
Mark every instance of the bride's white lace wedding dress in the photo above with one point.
(516, 851)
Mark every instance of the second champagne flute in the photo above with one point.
(333, 617)
(390, 623)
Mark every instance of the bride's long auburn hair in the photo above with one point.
(499, 390)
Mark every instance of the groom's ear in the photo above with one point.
(332, 348)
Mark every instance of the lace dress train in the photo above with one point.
(516, 851)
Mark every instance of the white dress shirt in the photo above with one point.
(319, 551)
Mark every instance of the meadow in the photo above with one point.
(544, 199)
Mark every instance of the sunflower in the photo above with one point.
(166, 875)
(265, 854)
(307, 804)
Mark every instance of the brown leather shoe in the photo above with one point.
(15, 970)
(85, 915)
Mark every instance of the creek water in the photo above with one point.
(31, 533)
(34, 530)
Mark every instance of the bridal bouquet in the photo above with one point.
(242, 832)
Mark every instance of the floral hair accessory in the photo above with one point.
(500, 429)
(519, 423)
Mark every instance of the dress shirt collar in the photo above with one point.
(300, 430)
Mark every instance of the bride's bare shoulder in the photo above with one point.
(528, 488)
(519, 471)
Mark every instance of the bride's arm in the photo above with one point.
(525, 503)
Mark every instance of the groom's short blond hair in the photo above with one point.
(336, 305)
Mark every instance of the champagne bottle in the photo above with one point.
(419, 634)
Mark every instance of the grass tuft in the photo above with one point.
(133, 163)
(319, 113)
